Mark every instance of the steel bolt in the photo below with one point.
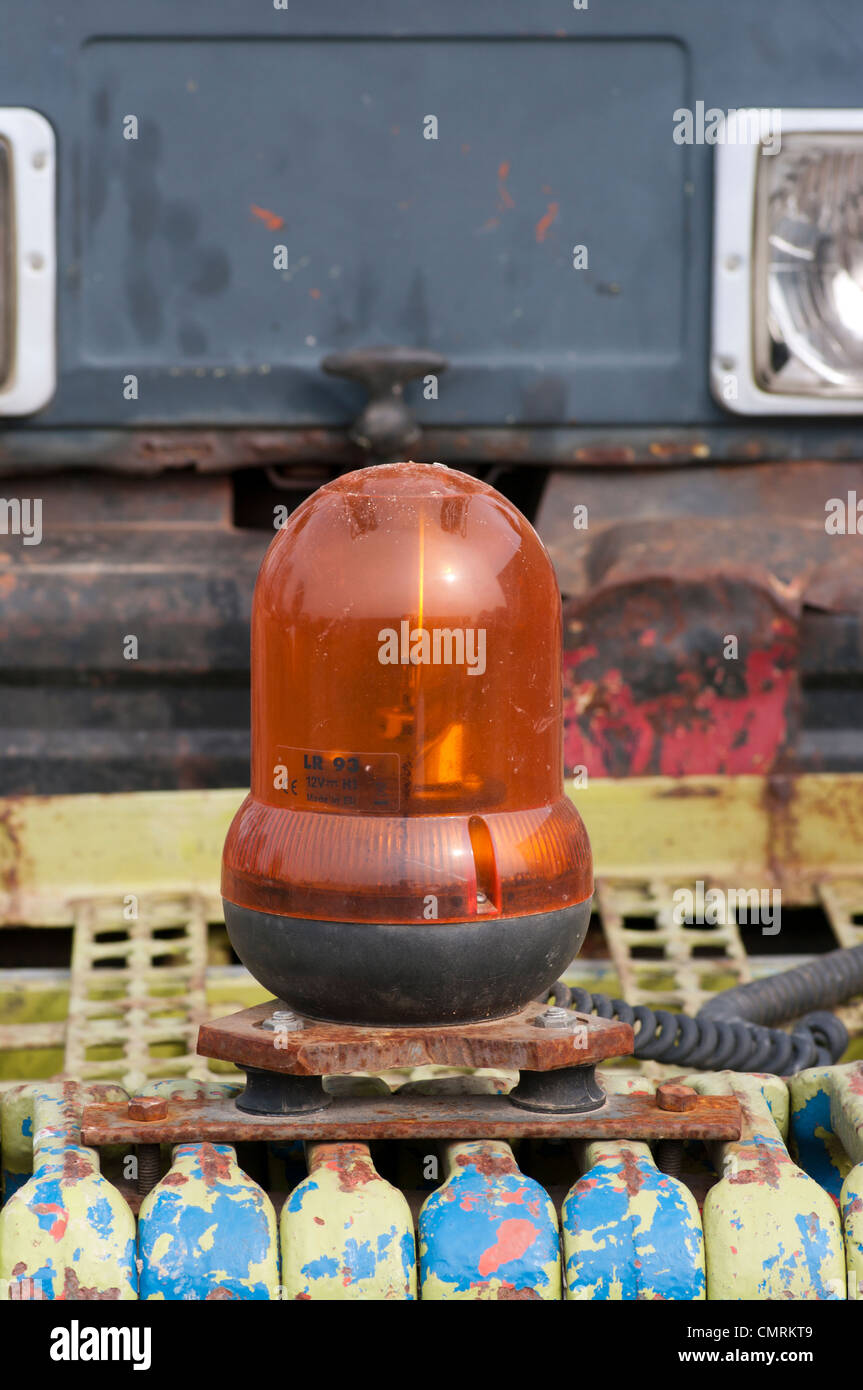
(283, 1021)
(669, 1157)
(672, 1096)
(556, 1017)
(149, 1167)
(147, 1108)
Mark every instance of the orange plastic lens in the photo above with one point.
(406, 711)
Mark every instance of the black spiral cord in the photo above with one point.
(732, 1030)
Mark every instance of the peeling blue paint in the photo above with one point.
(811, 1150)
(323, 1267)
(616, 1255)
(295, 1201)
(480, 1229)
(210, 1233)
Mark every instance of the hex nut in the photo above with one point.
(282, 1021)
(672, 1096)
(147, 1108)
(556, 1017)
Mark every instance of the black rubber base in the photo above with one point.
(451, 972)
(567, 1091)
(277, 1093)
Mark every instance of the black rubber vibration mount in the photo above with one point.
(277, 1093)
(567, 1091)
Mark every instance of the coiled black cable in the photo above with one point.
(819, 984)
(714, 1044)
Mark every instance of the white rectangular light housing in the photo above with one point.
(787, 324)
(28, 335)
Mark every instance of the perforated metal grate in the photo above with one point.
(842, 900)
(663, 963)
(137, 991)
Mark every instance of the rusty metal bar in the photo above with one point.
(400, 1116)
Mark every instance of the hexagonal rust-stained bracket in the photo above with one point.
(331, 1049)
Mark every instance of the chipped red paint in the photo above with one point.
(271, 220)
(512, 1238)
(58, 1226)
(508, 1293)
(506, 199)
(688, 728)
(546, 220)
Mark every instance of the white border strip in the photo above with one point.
(33, 171)
(731, 350)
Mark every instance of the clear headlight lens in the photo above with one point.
(808, 320)
(6, 269)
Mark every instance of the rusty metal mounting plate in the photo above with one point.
(332, 1049)
(359, 1118)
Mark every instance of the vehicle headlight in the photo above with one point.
(788, 268)
(27, 261)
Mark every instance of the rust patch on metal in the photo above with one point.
(599, 453)
(679, 450)
(75, 1167)
(75, 1292)
(633, 1178)
(10, 849)
(489, 1163)
(174, 1179)
(769, 1169)
(351, 1164)
(684, 790)
(215, 1167)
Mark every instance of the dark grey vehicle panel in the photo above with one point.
(314, 115)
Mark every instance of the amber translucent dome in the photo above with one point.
(406, 712)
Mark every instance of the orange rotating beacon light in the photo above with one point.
(406, 874)
(406, 854)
